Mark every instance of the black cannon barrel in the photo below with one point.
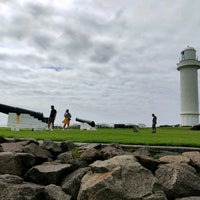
(91, 123)
(10, 109)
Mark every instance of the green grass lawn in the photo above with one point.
(165, 136)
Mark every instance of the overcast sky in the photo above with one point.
(111, 61)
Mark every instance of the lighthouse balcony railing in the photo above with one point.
(183, 58)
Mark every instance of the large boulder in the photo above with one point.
(13, 188)
(48, 173)
(194, 157)
(65, 157)
(71, 184)
(15, 146)
(111, 151)
(1, 148)
(90, 155)
(85, 146)
(28, 146)
(10, 179)
(143, 151)
(120, 177)
(175, 159)
(188, 198)
(2, 139)
(149, 162)
(68, 158)
(41, 154)
(15, 163)
(54, 147)
(54, 192)
(67, 145)
(178, 181)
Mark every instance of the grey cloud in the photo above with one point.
(99, 58)
(38, 10)
(4, 56)
(75, 42)
(42, 40)
(103, 53)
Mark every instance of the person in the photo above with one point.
(52, 117)
(67, 119)
(154, 121)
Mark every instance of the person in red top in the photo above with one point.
(52, 117)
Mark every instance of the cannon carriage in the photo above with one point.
(23, 118)
(86, 124)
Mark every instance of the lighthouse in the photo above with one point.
(188, 66)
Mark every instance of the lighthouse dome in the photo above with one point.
(188, 53)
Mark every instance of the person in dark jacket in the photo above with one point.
(52, 118)
(154, 122)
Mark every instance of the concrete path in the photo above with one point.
(179, 149)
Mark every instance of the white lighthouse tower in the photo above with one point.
(188, 66)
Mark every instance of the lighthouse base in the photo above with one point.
(189, 119)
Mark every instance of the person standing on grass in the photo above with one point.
(52, 117)
(154, 122)
(67, 119)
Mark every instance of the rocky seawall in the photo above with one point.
(48, 170)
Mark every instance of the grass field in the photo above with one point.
(178, 136)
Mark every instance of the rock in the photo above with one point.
(144, 151)
(175, 159)
(120, 177)
(90, 155)
(67, 146)
(148, 162)
(15, 163)
(28, 146)
(94, 172)
(194, 157)
(188, 168)
(111, 151)
(54, 147)
(163, 153)
(84, 147)
(54, 192)
(178, 181)
(13, 188)
(15, 146)
(10, 179)
(3, 140)
(41, 154)
(66, 157)
(71, 184)
(48, 173)
(1, 148)
(188, 198)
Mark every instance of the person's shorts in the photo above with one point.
(51, 120)
(153, 125)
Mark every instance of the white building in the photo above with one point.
(188, 66)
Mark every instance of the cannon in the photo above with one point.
(86, 124)
(10, 109)
(23, 118)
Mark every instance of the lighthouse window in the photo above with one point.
(182, 53)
